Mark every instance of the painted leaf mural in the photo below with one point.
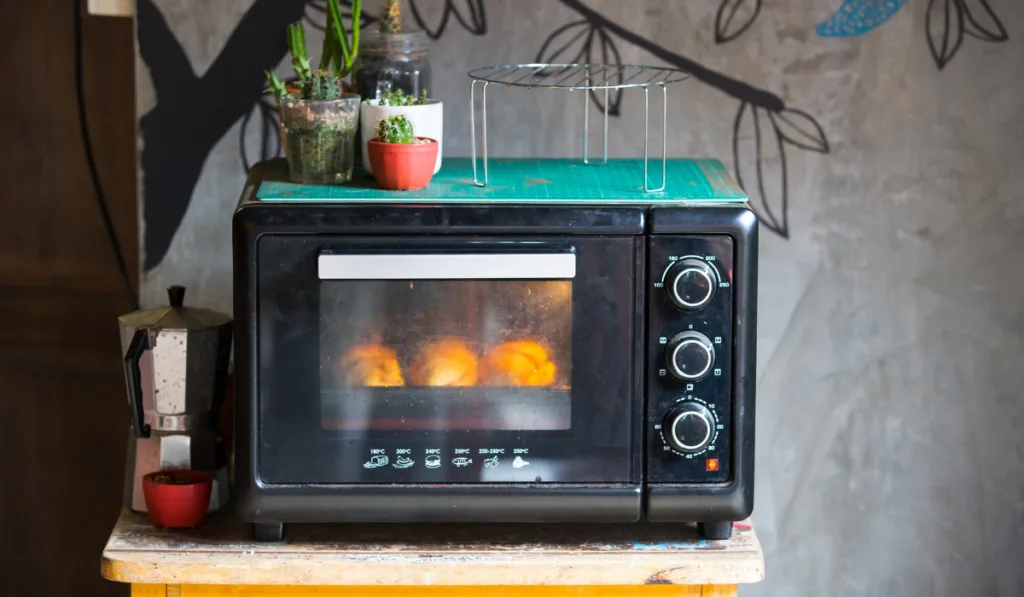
(468, 13)
(177, 137)
(800, 130)
(760, 161)
(945, 30)
(760, 138)
(946, 23)
(981, 22)
(734, 17)
(583, 42)
(857, 17)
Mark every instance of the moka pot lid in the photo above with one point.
(175, 316)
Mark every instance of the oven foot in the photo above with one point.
(268, 531)
(715, 530)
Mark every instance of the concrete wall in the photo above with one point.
(889, 454)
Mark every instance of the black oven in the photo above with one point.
(475, 363)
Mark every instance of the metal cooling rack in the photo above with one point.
(578, 77)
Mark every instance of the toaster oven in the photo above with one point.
(555, 351)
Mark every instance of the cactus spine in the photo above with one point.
(395, 129)
(397, 97)
(322, 85)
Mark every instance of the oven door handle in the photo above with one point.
(447, 266)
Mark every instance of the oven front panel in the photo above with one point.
(446, 360)
(690, 406)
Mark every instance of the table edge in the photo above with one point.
(659, 569)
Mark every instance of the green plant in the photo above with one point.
(395, 129)
(336, 58)
(397, 97)
(321, 85)
(297, 48)
(392, 21)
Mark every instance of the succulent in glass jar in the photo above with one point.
(336, 58)
(319, 120)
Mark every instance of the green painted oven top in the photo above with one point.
(534, 181)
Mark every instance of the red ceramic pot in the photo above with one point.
(177, 499)
(403, 166)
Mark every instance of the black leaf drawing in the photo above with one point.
(759, 156)
(980, 22)
(269, 135)
(799, 129)
(574, 43)
(568, 44)
(609, 55)
(734, 17)
(472, 18)
(944, 26)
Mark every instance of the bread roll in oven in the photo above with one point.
(519, 363)
(447, 362)
(371, 365)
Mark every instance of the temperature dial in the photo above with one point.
(688, 427)
(690, 356)
(691, 283)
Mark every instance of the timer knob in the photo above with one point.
(691, 283)
(690, 356)
(688, 427)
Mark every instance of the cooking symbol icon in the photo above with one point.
(462, 461)
(376, 462)
(519, 462)
(403, 462)
(491, 462)
(432, 461)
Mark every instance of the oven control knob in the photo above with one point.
(691, 283)
(688, 427)
(690, 356)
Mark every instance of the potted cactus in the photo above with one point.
(401, 161)
(320, 120)
(424, 114)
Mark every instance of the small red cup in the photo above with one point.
(177, 499)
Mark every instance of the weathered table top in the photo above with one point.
(223, 552)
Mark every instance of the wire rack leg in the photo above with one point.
(586, 122)
(664, 137)
(472, 126)
(586, 128)
(605, 159)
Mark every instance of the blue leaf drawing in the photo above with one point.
(857, 17)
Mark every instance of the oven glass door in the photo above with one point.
(436, 361)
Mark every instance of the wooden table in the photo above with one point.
(395, 560)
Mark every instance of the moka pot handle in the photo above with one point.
(133, 379)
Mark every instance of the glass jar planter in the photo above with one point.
(392, 61)
(320, 138)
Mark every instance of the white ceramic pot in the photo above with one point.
(427, 121)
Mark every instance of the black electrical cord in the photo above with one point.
(101, 199)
